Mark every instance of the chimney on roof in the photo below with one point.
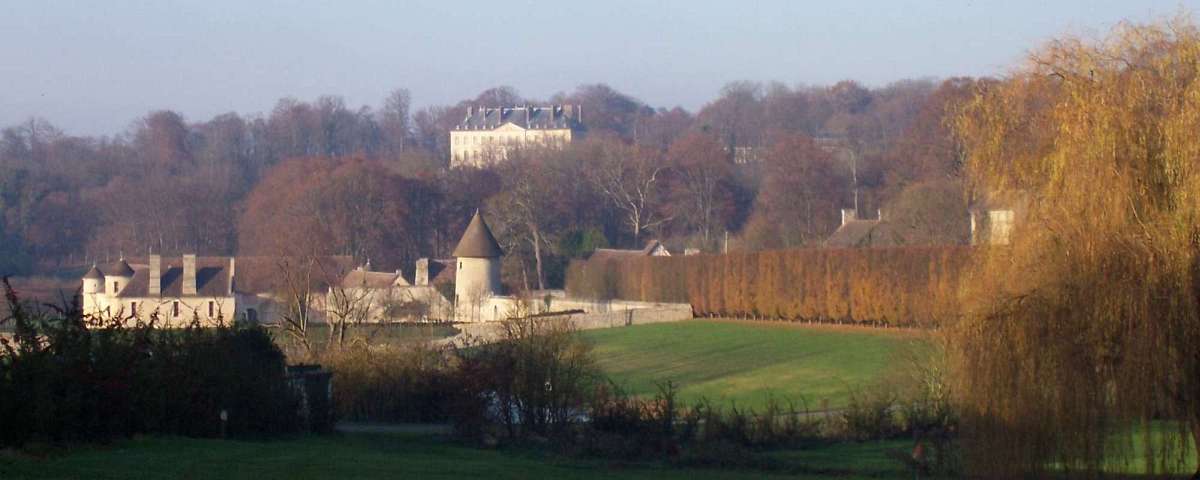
(421, 275)
(848, 215)
(189, 274)
(154, 283)
(232, 274)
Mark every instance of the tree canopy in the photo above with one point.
(1083, 332)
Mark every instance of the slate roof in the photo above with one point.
(121, 269)
(615, 253)
(212, 278)
(528, 117)
(442, 271)
(477, 241)
(94, 274)
(252, 275)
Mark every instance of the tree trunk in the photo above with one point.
(1196, 445)
(537, 258)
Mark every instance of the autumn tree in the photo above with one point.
(932, 212)
(701, 196)
(1080, 336)
(802, 195)
(331, 206)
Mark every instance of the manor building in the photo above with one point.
(487, 135)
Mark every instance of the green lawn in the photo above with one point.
(748, 362)
(369, 456)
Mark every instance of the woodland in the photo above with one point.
(324, 177)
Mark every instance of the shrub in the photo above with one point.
(65, 378)
(410, 383)
(537, 378)
(869, 415)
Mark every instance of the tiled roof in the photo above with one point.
(94, 274)
(614, 253)
(477, 241)
(121, 269)
(442, 271)
(367, 279)
(864, 233)
(528, 117)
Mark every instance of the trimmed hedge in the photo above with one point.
(909, 286)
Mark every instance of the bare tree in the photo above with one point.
(631, 179)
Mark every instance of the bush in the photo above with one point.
(64, 378)
(869, 416)
(537, 378)
(412, 383)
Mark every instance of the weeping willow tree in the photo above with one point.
(1079, 345)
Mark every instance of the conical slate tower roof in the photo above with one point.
(94, 274)
(477, 241)
(123, 269)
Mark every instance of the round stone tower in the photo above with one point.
(477, 275)
(119, 278)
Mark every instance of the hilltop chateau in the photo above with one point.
(486, 135)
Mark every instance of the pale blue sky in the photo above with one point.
(93, 67)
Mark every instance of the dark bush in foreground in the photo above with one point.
(67, 378)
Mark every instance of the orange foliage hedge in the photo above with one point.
(911, 286)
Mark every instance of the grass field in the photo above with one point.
(365, 456)
(748, 362)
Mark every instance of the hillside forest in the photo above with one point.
(761, 166)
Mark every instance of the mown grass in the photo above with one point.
(749, 362)
(368, 456)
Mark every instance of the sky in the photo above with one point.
(93, 68)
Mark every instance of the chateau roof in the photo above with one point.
(122, 269)
(477, 241)
(253, 275)
(212, 278)
(531, 118)
(94, 274)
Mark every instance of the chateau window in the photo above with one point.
(133, 308)
(115, 289)
(210, 309)
(175, 309)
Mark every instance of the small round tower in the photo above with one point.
(93, 281)
(119, 278)
(477, 276)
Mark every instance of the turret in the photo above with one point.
(93, 281)
(119, 277)
(478, 274)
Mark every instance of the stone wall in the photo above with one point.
(489, 331)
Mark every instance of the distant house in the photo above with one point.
(855, 232)
(653, 248)
(487, 135)
(994, 216)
